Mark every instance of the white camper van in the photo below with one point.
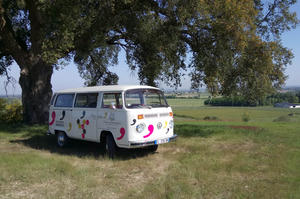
(122, 116)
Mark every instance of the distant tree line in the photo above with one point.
(182, 97)
(291, 97)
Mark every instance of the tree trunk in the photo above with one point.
(35, 81)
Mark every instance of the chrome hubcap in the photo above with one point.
(61, 140)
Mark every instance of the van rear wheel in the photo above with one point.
(110, 146)
(61, 139)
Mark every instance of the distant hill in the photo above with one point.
(11, 96)
(292, 88)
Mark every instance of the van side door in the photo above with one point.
(84, 117)
(112, 116)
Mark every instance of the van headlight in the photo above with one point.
(140, 128)
(171, 124)
(159, 125)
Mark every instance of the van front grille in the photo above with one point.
(150, 115)
(163, 114)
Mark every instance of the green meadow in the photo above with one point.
(221, 152)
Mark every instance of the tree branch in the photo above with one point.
(35, 26)
(10, 44)
(271, 10)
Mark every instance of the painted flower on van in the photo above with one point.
(166, 123)
(83, 114)
(63, 114)
(52, 118)
(70, 127)
(122, 132)
(150, 129)
(82, 126)
(133, 122)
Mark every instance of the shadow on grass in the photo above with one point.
(36, 138)
(77, 148)
(20, 130)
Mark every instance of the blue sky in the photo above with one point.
(69, 77)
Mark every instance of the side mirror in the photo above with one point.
(112, 106)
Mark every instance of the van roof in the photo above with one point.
(104, 88)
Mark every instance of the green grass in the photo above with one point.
(224, 158)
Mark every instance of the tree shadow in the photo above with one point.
(36, 138)
(78, 148)
(20, 128)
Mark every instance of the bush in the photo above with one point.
(2, 104)
(227, 101)
(246, 117)
(10, 112)
(210, 118)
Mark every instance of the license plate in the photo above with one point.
(162, 141)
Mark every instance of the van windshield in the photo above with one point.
(145, 98)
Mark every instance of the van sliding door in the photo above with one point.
(84, 116)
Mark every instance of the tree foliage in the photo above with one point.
(232, 47)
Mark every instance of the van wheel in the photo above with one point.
(153, 148)
(61, 139)
(110, 146)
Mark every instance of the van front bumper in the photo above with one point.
(154, 142)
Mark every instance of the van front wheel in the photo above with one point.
(153, 148)
(61, 138)
(110, 146)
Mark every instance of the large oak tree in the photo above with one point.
(233, 46)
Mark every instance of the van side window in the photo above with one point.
(86, 100)
(112, 99)
(64, 100)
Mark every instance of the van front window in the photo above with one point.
(145, 98)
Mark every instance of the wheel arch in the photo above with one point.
(103, 134)
(57, 131)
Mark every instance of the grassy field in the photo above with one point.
(223, 157)
(185, 103)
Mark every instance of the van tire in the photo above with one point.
(153, 148)
(110, 146)
(61, 139)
